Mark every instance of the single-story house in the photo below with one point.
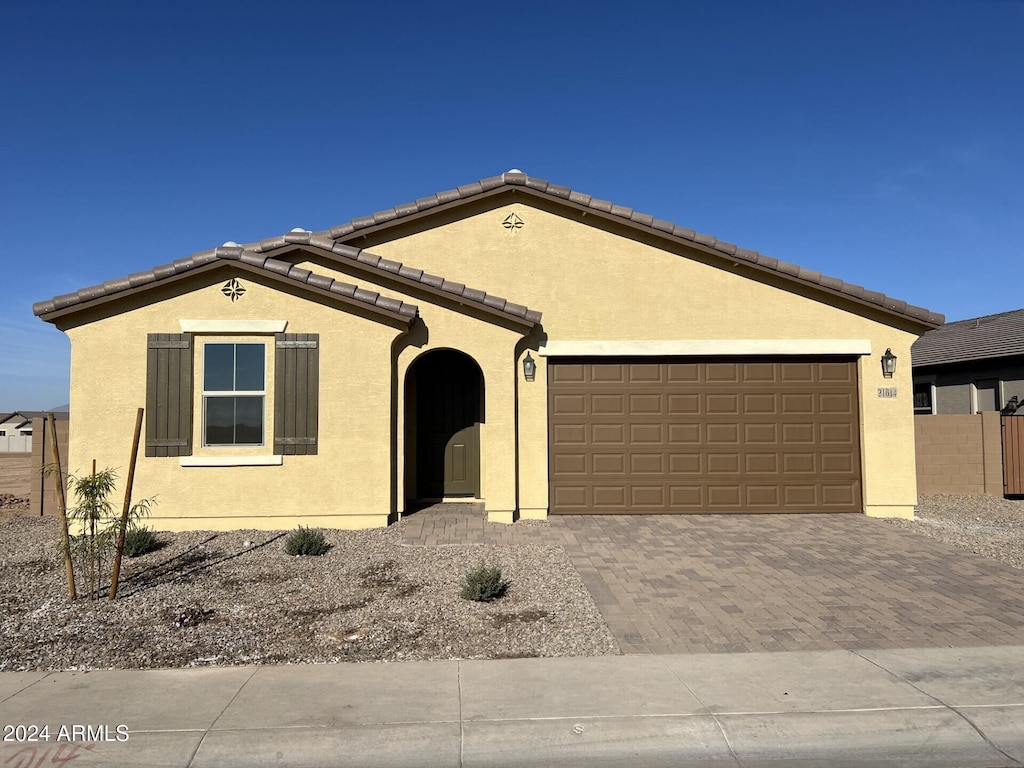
(970, 366)
(510, 341)
(16, 430)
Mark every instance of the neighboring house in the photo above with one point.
(334, 378)
(16, 430)
(970, 366)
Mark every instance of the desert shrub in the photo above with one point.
(484, 584)
(306, 541)
(188, 617)
(139, 541)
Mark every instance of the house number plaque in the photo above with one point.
(887, 392)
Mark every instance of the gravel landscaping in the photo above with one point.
(369, 598)
(986, 525)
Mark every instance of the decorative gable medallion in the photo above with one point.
(512, 223)
(233, 290)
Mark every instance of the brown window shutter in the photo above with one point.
(296, 393)
(169, 394)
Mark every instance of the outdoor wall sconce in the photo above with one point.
(888, 364)
(529, 367)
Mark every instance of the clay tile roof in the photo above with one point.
(977, 338)
(645, 221)
(280, 269)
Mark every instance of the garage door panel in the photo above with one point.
(646, 373)
(723, 496)
(666, 435)
(796, 434)
(687, 497)
(683, 404)
(799, 464)
(647, 497)
(685, 464)
(722, 434)
(797, 403)
(683, 373)
(841, 403)
(839, 495)
(722, 372)
(570, 498)
(608, 405)
(841, 373)
(761, 463)
(760, 404)
(608, 434)
(570, 464)
(569, 405)
(836, 433)
(646, 405)
(611, 497)
(760, 434)
(762, 496)
(605, 373)
(718, 404)
(718, 463)
(647, 434)
(568, 434)
(796, 372)
(609, 463)
(647, 463)
(684, 434)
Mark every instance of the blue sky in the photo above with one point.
(878, 142)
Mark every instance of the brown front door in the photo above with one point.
(642, 435)
(448, 414)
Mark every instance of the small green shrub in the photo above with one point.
(306, 541)
(484, 584)
(140, 541)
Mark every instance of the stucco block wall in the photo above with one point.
(43, 494)
(959, 453)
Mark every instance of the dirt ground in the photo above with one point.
(15, 474)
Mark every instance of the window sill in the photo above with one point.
(231, 461)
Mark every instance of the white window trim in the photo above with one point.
(929, 380)
(262, 393)
(232, 461)
(706, 347)
(974, 395)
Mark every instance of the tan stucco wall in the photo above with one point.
(346, 485)
(491, 344)
(593, 284)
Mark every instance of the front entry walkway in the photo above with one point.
(721, 583)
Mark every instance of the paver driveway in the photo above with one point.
(697, 583)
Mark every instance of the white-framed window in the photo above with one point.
(234, 393)
(985, 395)
(924, 397)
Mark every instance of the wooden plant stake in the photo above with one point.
(65, 543)
(116, 575)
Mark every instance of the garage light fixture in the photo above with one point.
(529, 367)
(888, 364)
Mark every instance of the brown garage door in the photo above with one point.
(715, 435)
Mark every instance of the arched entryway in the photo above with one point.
(444, 406)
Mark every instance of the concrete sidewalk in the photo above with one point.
(928, 707)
